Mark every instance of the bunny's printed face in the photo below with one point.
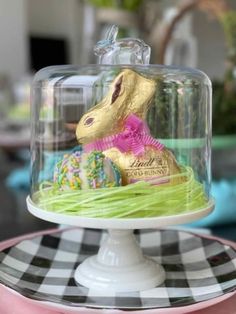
(130, 93)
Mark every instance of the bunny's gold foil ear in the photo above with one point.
(129, 93)
(117, 90)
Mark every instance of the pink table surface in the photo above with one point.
(13, 303)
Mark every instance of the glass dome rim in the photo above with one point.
(47, 72)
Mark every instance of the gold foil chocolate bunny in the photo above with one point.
(129, 93)
(116, 126)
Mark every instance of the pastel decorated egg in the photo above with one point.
(86, 171)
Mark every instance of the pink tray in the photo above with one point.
(13, 302)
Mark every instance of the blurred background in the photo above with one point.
(34, 34)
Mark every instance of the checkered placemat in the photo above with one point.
(42, 268)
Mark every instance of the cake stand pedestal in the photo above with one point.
(120, 265)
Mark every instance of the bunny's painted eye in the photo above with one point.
(88, 121)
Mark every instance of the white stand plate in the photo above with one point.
(121, 223)
(119, 265)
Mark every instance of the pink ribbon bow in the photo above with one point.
(134, 138)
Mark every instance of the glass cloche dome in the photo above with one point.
(121, 141)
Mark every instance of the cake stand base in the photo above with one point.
(120, 266)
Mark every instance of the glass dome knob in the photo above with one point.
(121, 51)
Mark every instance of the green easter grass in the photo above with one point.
(138, 200)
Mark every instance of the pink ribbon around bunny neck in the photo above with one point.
(134, 138)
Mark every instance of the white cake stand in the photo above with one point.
(120, 265)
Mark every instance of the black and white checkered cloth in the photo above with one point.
(42, 268)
